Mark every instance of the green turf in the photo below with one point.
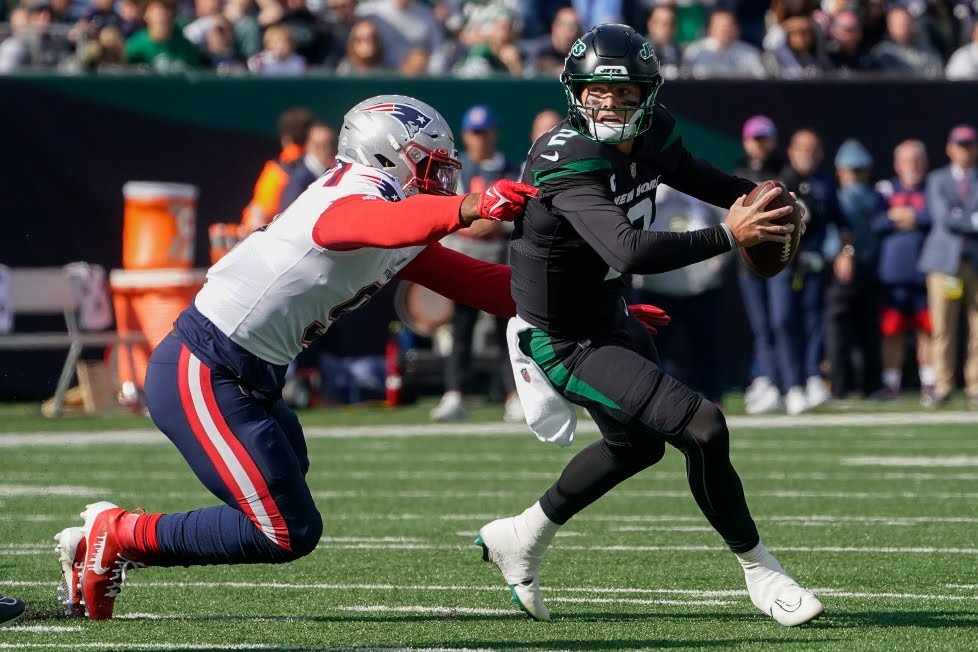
(397, 568)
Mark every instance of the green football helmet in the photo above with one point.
(611, 53)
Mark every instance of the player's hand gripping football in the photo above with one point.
(650, 316)
(752, 224)
(503, 201)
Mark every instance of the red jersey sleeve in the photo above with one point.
(358, 221)
(463, 279)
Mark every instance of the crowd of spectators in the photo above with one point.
(887, 266)
(794, 39)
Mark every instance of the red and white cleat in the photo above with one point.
(105, 565)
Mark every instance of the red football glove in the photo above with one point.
(504, 200)
(650, 316)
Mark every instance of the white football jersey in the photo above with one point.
(277, 290)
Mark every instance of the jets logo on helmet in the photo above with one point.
(412, 119)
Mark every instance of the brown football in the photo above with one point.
(767, 259)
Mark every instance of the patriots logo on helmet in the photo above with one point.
(412, 119)
(387, 189)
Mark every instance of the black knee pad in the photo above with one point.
(708, 427)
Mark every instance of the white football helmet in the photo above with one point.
(404, 137)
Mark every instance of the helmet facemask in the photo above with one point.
(582, 117)
(435, 172)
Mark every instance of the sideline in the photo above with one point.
(485, 429)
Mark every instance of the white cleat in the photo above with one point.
(796, 606)
(518, 562)
(773, 591)
(71, 550)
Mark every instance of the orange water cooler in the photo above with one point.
(159, 223)
(157, 280)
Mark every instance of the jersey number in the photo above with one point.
(640, 215)
(560, 138)
(362, 296)
(317, 328)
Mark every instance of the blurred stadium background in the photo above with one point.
(88, 106)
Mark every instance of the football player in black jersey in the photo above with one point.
(597, 172)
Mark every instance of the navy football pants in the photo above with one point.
(249, 453)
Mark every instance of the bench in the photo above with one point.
(47, 291)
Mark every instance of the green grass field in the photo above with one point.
(878, 513)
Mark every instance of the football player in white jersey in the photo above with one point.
(214, 384)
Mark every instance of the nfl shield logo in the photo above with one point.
(525, 374)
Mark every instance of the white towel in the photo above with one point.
(551, 417)
(6, 314)
(91, 290)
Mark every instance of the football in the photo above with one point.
(767, 259)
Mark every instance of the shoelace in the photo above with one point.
(118, 576)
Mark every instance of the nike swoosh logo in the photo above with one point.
(786, 606)
(551, 158)
(97, 566)
(501, 201)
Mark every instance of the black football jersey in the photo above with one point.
(588, 226)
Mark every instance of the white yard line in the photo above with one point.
(152, 436)
(694, 596)
(815, 521)
(49, 490)
(367, 544)
(115, 645)
(450, 494)
(808, 520)
(419, 609)
(453, 494)
(929, 461)
(43, 629)
(504, 477)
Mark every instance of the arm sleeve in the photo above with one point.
(625, 248)
(698, 178)
(360, 221)
(463, 279)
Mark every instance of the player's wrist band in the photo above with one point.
(730, 236)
